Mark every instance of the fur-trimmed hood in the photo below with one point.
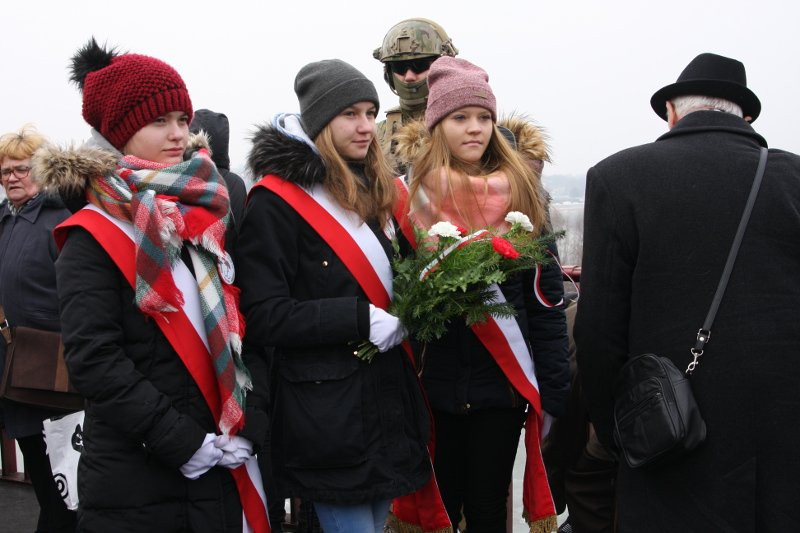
(67, 170)
(282, 148)
(529, 139)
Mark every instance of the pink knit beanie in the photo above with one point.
(454, 83)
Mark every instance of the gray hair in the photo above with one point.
(689, 104)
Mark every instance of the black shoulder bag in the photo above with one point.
(656, 417)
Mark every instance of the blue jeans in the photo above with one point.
(361, 518)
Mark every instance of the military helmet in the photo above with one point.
(412, 39)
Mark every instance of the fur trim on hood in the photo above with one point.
(411, 139)
(196, 142)
(275, 152)
(68, 170)
(531, 140)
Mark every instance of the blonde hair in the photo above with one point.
(21, 144)
(526, 194)
(376, 199)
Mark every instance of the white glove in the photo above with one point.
(204, 459)
(236, 450)
(385, 330)
(547, 423)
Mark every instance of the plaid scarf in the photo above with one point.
(171, 206)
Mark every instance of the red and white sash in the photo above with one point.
(503, 339)
(363, 255)
(353, 241)
(186, 334)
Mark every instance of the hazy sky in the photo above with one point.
(584, 70)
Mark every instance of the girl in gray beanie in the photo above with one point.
(314, 266)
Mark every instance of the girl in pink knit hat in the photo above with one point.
(486, 383)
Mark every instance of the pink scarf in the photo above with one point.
(471, 202)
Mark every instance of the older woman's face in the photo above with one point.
(15, 175)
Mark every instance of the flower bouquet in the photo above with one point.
(450, 276)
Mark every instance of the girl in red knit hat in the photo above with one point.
(486, 383)
(149, 312)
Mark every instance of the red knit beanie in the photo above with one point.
(124, 93)
(454, 83)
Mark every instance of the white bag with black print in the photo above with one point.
(64, 438)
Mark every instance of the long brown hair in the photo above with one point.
(526, 193)
(378, 199)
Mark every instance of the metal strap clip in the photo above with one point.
(703, 336)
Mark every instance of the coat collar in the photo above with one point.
(277, 150)
(30, 211)
(705, 121)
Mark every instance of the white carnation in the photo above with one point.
(515, 217)
(444, 229)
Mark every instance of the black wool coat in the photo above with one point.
(343, 431)
(28, 287)
(659, 222)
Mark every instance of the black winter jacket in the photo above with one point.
(461, 376)
(343, 431)
(145, 415)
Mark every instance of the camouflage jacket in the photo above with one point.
(386, 130)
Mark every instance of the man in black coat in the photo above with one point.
(659, 222)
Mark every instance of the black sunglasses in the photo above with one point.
(417, 66)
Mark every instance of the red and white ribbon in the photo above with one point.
(460, 243)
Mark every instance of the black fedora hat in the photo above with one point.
(710, 75)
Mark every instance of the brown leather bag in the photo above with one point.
(35, 372)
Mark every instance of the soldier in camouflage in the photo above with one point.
(408, 49)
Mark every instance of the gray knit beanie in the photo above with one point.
(325, 88)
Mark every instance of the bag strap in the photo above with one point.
(704, 333)
(5, 328)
